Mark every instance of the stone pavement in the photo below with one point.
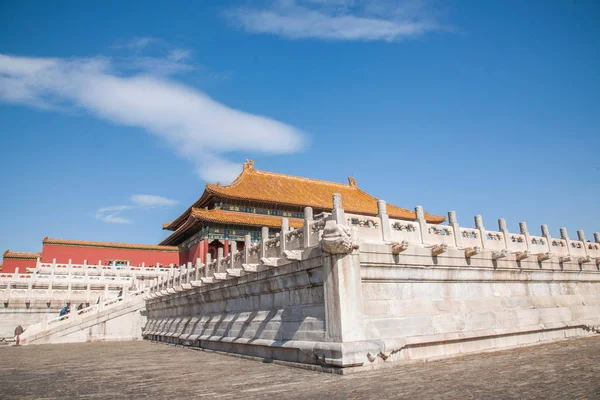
(561, 370)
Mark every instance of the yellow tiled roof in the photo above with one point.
(23, 256)
(270, 187)
(66, 242)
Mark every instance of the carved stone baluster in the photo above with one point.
(502, 228)
(525, 232)
(283, 236)
(247, 245)
(207, 273)
(264, 236)
(479, 226)
(308, 219)
(420, 216)
(453, 222)
(386, 229)
(338, 214)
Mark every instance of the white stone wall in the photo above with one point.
(256, 315)
(423, 307)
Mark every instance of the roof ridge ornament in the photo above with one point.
(249, 164)
(352, 181)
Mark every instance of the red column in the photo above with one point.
(226, 249)
(204, 249)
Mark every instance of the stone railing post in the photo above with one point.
(169, 282)
(69, 268)
(386, 229)
(547, 236)
(525, 232)
(581, 237)
(285, 228)
(420, 216)
(38, 263)
(502, 228)
(53, 269)
(308, 219)
(88, 292)
(198, 267)
(597, 237)
(453, 222)
(264, 236)
(479, 226)
(565, 236)
(220, 260)
(247, 245)
(101, 301)
(125, 293)
(207, 265)
(74, 312)
(232, 252)
(188, 272)
(337, 212)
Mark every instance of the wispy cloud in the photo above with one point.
(150, 200)
(112, 214)
(388, 20)
(140, 92)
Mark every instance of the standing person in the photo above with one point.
(18, 331)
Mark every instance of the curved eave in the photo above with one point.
(179, 221)
(181, 230)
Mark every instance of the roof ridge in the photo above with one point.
(99, 243)
(277, 174)
(21, 254)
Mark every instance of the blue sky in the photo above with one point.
(113, 115)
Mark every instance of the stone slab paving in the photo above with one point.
(561, 370)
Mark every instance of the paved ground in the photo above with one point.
(562, 370)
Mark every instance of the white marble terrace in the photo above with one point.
(501, 243)
(60, 281)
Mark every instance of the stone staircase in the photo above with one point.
(119, 319)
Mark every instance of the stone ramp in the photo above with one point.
(121, 319)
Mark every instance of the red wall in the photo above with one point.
(9, 265)
(92, 254)
(196, 251)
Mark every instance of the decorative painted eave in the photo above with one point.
(20, 255)
(111, 245)
(224, 217)
(217, 215)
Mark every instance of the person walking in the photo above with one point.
(18, 331)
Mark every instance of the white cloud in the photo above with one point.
(150, 200)
(140, 201)
(111, 214)
(179, 54)
(387, 20)
(183, 116)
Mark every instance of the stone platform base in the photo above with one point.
(312, 355)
